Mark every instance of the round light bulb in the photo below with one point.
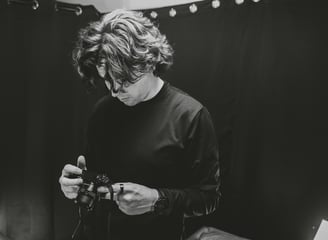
(172, 12)
(153, 14)
(215, 3)
(239, 1)
(193, 8)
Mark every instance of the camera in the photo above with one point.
(87, 194)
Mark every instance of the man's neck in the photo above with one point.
(155, 86)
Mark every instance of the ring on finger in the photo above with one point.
(121, 187)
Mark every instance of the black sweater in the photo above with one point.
(167, 143)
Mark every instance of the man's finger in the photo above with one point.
(70, 170)
(81, 162)
(108, 196)
(70, 181)
(71, 195)
(120, 187)
(102, 189)
(71, 189)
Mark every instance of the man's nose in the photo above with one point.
(114, 93)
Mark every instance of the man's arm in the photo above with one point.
(202, 196)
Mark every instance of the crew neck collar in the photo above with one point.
(158, 96)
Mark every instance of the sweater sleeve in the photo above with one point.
(202, 196)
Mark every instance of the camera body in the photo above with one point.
(87, 194)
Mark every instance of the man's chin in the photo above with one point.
(129, 103)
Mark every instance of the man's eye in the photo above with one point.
(126, 84)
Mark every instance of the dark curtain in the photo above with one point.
(260, 68)
(25, 65)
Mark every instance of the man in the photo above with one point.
(155, 142)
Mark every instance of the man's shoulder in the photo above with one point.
(185, 101)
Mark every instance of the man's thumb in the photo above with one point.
(81, 163)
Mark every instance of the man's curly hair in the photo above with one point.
(127, 42)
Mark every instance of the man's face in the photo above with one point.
(129, 94)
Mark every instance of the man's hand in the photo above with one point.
(71, 186)
(210, 233)
(132, 198)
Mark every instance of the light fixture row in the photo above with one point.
(193, 8)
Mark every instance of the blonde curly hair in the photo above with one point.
(127, 42)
